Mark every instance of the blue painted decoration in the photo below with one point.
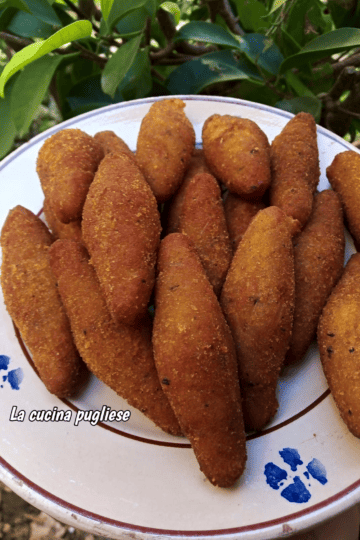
(274, 475)
(296, 492)
(317, 471)
(4, 361)
(14, 377)
(294, 488)
(291, 457)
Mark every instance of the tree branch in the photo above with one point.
(89, 55)
(81, 14)
(14, 42)
(162, 53)
(223, 8)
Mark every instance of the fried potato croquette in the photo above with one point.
(121, 230)
(66, 165)
(237, 152)
(258, 302)
(34, 304)
(112, 144)
(196, 361)
(61, 230)
(238, 213)
(119, 355)
(165, 144)
(318, 260)
(295, 167)
(202, 219)
(344, 177)
(339, 344)
(197, 165)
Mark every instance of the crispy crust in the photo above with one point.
(339, 344)
(61, 230)
(165, 145)
(33, 302)
(202, 219)
(196, 361)
(121, 230)
(119, 355)
(238, 214)
(318, 259)
(344, 177)
(237, 152)
(197, 165)
(258, 302)
(112, 144)
(295, 167)
(66, 165)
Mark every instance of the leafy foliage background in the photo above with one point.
(61, 58)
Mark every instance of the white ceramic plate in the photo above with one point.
(129, 479)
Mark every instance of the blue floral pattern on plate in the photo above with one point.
(13, 377)
(294, 489)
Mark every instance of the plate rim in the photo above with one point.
(70, 513)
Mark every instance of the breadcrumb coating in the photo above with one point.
(295, 167)
(339, 344)
(61, 230)
(237, 152)
(202, 219)
(112, 143)
(344, 177)
(33, 302)
(239, 213)
(319, 259)
(196, 361)
(66, 165)
(121, 230)
(119, 355)
(165, 144)
(258, 302)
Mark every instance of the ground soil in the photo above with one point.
(21, 521)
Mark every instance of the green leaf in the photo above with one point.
(289, 45)
(172, 8)
(276, 5)
(133, 23)
(118, 65)
(42, 10)
(256, 92)
(308, 104)
(262, 52)
(88, 95)
(76, 30)
(18, 4)
(333, 42)
(29, 91)
(26, 25)
(220, 66)
(252, 15)
(207, 32)
(296, 21)
(106, 6)
(300, 88)
(8, 129)
(137, 83)
(120, 9)
(6, 16)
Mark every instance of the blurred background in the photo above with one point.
(61, 58)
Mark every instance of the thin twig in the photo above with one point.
(15, 42)
(81, 15)
(162, 53)
(89, 55)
